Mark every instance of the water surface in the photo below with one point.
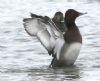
(23, 58)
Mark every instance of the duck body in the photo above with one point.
(64, 48)
(68, 56)
(71, 47)
(70, 50)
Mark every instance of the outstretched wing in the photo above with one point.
(48, 21)
(46, 31)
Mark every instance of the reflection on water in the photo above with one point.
(55, 74)
(23, 58)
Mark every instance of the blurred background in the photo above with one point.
(23, 58)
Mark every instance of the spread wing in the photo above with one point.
(46, 31)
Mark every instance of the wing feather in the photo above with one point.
(47, 32)
(35, 27)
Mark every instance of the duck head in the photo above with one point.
(71, 15)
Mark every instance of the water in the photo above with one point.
(23, 58)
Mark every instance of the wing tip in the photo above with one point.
(27, 19)
(33, 15)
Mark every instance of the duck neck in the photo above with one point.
(72, 34)
(70, 22)
(70, 25)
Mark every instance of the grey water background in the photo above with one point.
(23, 58)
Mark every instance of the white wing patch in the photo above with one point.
(33, 26)
(58, 47)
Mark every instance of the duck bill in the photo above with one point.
(82, 14)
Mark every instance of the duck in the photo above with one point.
(64, 48)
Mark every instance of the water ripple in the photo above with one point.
(23, 58)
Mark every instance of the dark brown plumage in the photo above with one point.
(73, 33)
